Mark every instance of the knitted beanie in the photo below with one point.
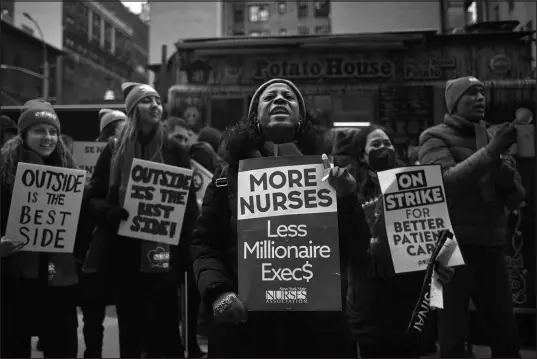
(135, 92)
(109, 116)
(210, 135)
(260, 89)
(7, 125)
(35, 112)
(456, 88)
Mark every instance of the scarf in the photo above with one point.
(482, 139)
(56, 269)
(154, 256)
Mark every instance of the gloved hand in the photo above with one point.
(228, 308)
(445, 274)
(504, 177)
(115, 215)
(9, 246)
(339, 178)
(502, 139)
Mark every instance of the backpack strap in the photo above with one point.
(222, 188)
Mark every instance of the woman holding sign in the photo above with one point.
(276, 125)
(146, 273)
(38, 289)
(379, 304)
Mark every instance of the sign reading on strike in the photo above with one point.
(87, 153)
(201, 178)
(415, 211)
(156, 200)
(45, 207)
(288, 236)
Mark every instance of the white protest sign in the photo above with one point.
(87, 153)
(201, 178)
(156, 199)
(45, 207)
(415, 211)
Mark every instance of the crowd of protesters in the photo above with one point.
(105, 268)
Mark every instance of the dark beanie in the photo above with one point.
(135, 92)
(260, 89)
(35, 112)
(7, 125)
(210, 135)
(108, 116)
(456, 88)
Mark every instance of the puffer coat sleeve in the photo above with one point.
(211, 246)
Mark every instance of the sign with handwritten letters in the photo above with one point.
(156, 200)
(415, 211)
(287, 236)
(86, 154)
(45, 207)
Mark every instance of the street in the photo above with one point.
(111, 345)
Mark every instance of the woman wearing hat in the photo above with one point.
(146, 294)
(38, 289)
(111, 124)
(235, 333)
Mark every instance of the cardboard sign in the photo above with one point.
(415, 211)
(287, 235)
(201, 178)
(87, 153)
(156, 200)
(45, 207)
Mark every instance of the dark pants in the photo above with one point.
(93, 316)
(484, 279)
(29, 307)
(193, 307)
(148, 317)
(388, 351)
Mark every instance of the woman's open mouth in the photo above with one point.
(279, 111)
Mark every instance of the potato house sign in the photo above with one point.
(330, 67)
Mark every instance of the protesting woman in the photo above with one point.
(146, 297)
(276, 125)
(38, 289)
(379, 303)
(111, 124)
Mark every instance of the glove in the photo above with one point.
(502, 140)
(8, 246)
(115, 215)
(339, 178)
(445, 274)
(504, 177)
(228, 308)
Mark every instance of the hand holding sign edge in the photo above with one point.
(339, 178)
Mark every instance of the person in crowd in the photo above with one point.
(480, 181)
(38, 289)
(111, 124)
(68, 142)
(377, 323)
(146, 286)
(234, 332)
(8, 130)
(94, 295)
(205, 149)
(179, 130)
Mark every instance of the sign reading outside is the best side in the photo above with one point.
(287, 233)
(415, 211)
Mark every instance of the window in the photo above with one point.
(238, 13)
(107, 36)
(322, 8)
(96, 29)
(282, 7)
(283, 32)
(259, 13)
(302, 9)
(303, 30)
(497, 12)
(322, 29)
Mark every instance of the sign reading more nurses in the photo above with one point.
(415, 211)
(287, 233)
(45, 207)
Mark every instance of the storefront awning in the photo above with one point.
(325, 89)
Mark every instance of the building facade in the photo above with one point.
(103, 44)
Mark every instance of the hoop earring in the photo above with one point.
(258, 127)
(299, 128)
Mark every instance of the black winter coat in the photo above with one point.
(214, 251)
